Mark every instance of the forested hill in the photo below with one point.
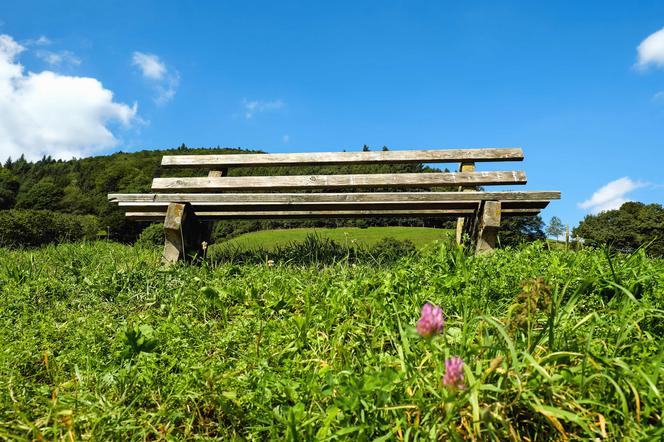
(80, 186)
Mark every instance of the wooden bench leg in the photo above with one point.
(488, 225)
(460, 229)
(184, 233)
(463, 224)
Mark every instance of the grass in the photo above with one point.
(271, 239)
(100, 343)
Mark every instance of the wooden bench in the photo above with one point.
(185, 204)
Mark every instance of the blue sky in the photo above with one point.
(578, 85)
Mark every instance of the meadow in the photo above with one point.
(271, 239)
(100, 342)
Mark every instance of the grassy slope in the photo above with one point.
(257, 352)
(270, 239)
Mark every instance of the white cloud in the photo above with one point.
(45, 113)
(611, 196)
(651, 50)
(166, 90)
(155, 70)
(59, 58)
(42, 40)
(150, 65)
(252, 107)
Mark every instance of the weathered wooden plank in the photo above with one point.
(328, 214)
(333, 197)
(240, 207)
(174, 247)
(489, 223)
(294, 206)
(218, 173)
(464, 167)
(330, 158)
(377, 180)
(183, 233)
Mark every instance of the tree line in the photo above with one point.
(79, 187)
(73, 195)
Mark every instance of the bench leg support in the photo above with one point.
(184, 233)
(464, 225)
(488, 223)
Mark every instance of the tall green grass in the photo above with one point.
(314, 249)
(368, 237)
(99, 342)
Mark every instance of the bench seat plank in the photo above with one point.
(328, 214)
(360, 197)
(377, 180)
(334, 158)
(277, 206)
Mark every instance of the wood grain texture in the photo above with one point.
(330, 158)
(218, 173)
(174, 247)
(332, 197)
(329, 214)
(377, 180)
(184, 233)
(463, 167)
(489, 223)
(328, 206)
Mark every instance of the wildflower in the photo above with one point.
(270, 263)
(453, 377)
(431, 322)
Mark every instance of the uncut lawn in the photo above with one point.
(98, 342)
(271, 239)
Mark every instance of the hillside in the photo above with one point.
(270, 239)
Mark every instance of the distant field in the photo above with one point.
(270, 239)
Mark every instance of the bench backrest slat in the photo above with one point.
(376, 180)
(334, 158)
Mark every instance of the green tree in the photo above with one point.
(9, 186)
(44, 195)
(519, 229)
(555, 227)
(627, 228)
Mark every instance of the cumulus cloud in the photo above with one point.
(165, 81)
(45, 113)
(611, 196)
(651, 50)
(252, 107)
